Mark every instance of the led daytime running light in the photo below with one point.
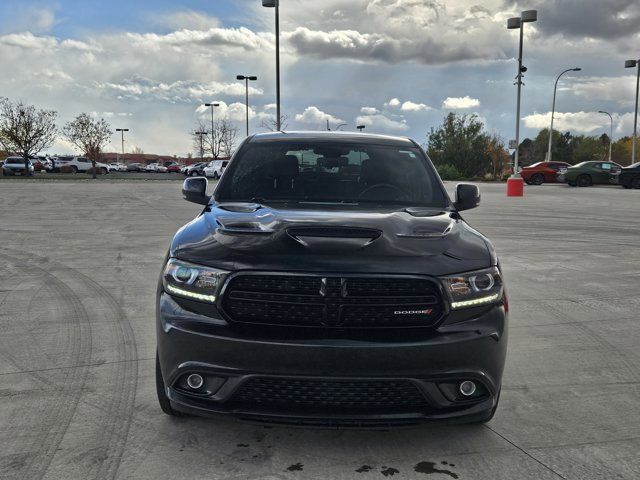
(475, 301)
(188, 294)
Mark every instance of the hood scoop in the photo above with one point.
(334, 238)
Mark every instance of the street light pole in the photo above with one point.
(213, 138)
(122, 130)
(515, 184)
(553, 108)
(276, 4)
(632, 64)
(246, 82)
(201, 134)
(611, 135)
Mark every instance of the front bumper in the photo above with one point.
(191, 343)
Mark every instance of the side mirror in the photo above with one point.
(467, 196)
(195, 190)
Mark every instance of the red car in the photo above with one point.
(541, 172)
(173, 167)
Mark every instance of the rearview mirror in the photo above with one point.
(195, 190)
(467, 196)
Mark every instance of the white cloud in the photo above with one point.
(141, 88)
(382, 123)
(410, 106)
(460, 103)
(369, 110)
(576, 122)
(314, 116)
(394, 102)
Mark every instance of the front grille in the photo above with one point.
(332, 301)
(328, 396)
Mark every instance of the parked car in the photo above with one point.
(15, 166)
(630, 176)
(214, 169)
(542, 172)
(195, 170)
(39, 163)
(156, 168)
(117, 167)
(586, 174)
(79, 164)
(135, 167)
(173, 167)
(303, 294)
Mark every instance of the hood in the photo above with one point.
(341, 239)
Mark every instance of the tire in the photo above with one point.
(74, 169)
(104, 171)
(193, 174)
(635, 182)
(216, 176)
(537, 179)
(163, 400)
(584, 181)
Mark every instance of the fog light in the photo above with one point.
(467, 388)
(195, 381)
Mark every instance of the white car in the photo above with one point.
(155, 167)
(117, 167)
(215, 168)
(79, 164)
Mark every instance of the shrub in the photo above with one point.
(448, 172)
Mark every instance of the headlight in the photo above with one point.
(474, 288)
(191, 281)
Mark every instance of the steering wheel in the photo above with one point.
(387, 186)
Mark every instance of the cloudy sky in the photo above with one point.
(396, 66)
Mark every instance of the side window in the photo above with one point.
(605, 166)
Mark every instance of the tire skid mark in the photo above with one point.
(123, 376)
(69, 390)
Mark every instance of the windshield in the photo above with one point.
(331, 172)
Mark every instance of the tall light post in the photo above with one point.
(201, 134)
(246, 82)
(633, 64)
(553, 108)
(611, 135)
(276, 4)
(122, 130)
(515, 184)
(213, 149)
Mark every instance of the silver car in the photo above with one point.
(15, 166)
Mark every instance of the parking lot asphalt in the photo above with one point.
(79, 263)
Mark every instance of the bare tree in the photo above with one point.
(199, 138)
(221, 141)
(229, 137)
(89, 136)
(272, 125)
(137, 150)
(26, 130)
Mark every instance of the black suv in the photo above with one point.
(330, 280)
